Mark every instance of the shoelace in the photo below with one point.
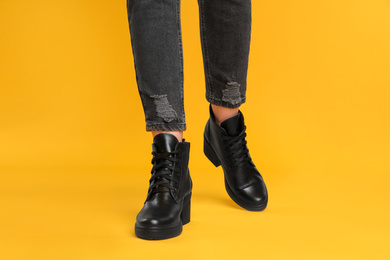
(162, 172)
(237, 147)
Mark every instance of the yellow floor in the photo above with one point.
(90, 214)
(75, 157)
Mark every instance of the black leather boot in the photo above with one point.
(226, 145)
(167, 206)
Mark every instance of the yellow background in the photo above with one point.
(75, 157)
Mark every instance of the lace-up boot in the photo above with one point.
(167, 205)
(226, 145)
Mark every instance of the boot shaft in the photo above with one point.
(170, 163)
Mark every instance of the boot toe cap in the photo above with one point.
(253, 197)
(254, 194)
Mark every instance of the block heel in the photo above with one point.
(186, 212)
(210, 154)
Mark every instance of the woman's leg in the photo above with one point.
(155, 31)
(225, 27)
(157, 49)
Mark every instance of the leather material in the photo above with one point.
(226, 145)
(233, 125)
(167, 206)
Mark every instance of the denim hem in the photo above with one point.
(222, 103)
(166, 127)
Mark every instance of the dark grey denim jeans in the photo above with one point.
(155, 30)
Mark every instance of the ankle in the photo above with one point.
(177, 134)
(223, 113)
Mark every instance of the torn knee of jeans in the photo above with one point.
(163, 109)
(232, 93)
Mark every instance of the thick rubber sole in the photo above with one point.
(212, 156)
(164, 232)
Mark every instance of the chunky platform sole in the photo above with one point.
(212, 156)
(163, 232)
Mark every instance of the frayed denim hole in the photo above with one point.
(163, 108)
(232, 93)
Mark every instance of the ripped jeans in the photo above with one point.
(156, 41)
